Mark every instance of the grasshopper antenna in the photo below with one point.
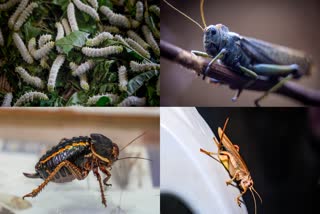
(257, 194)
(185, 15)
(254, 199)
(133, 141)
(202, 14)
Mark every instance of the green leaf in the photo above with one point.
(74, 39)
(135, 83)
(103, 101)
(30, 31)
(62, 3)
(77, 98)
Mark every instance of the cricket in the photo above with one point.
(253, 58)
(228, 154)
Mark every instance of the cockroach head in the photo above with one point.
(103, 148)
(214, 37)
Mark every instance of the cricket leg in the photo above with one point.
(106, 172)
(228, 182)
(239, 196)
(103, 199)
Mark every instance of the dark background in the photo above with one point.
(291, 23)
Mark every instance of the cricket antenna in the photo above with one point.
(254, 199)
(224, 128)
(185, 15)
(133, 141)
(134, 158)
(202, 14)
(257, 194)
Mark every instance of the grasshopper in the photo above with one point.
(250, 57)
(229, 156)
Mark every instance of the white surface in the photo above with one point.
(185, 171)
(82, 196)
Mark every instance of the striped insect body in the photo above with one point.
(99, 52)
(87, 9)
(24, 15)
(13, 18)
(139, 11)
(31, 80)
(44, 39)
(138, 39)
(133, 101)
(98, 39)
(114, 18)
(30, 97)
(138, 48)
(22, 48)
(137, 67)
(150, 39)
(123, 78)
(72, 17)
(57, 63)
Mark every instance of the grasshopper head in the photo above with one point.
(214, 38)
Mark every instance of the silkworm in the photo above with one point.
(8, 5)
(111, 29)
(138, 48)
(7, 100)
(27, 78)
(137, 67)
(83, 68)
(87, 9)
(133, 101)
(138, 39)
(97, 40)
(22, 48)
(57, 63)
(24, 15)
(123, 78)
(60, 34)
(32, 45)
(139, 11)
(72, 17)
(120, 39)
(23, 4)
(1, 38)
(94, 3)
(29, 97)
(114, 18)
(155, 9)
(94, 99)
(84, 82)
(66, 26)
(150, 39)
(44, 39)
(97, 52)
(43, 51)
(43, 62)
(134, 23)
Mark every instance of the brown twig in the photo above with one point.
(222, 73)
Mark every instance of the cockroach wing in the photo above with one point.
(268, 53)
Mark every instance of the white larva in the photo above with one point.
(24, 15)
(97, 52)
(72, 17)
(7, 100)
(155, 9)
(150, 39)
(138, 39)
(133, 101)
(137, 67)
(120, 39)
(29, 97)
(66, 26)
(8, 5)
(23, 4)
(43, 51)
(111, 29)
(22, 48)
(60, 34)
(84, 82)
(57, 63)
(87, 9)
(27, 78)
(94, 3)
(97, 40)
(32, 45)
(138, 48)
(114, 18)
(73, 66)
(139, 11)
(83, 68)
(44, 39)
(94, 99)
(1, 38)
(123, 78)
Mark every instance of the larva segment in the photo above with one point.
(23, 4)
(83, 77)
(139, 11)
(134, 23)
(94, 99)
(24, 15)
(137, 67)
(94, 3)
(97, 40)
(7, 100)
(123, 78)
(29, 97)
(87, 9)
(54, 72)
(138, 39)
(66, 26)
(44, 39)
(138, 48)
(22, 48)
(133, 101)
(72, 17)
(60, 34)
(83, 68)
(111, 29)
(98, 52)
(150, 39)
(8, 5)
(155, 9)
(27, 78)
(114, 18)
(43, 51)
(120, 39)
(1, 38)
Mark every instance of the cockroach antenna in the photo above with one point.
(133, 141)
(185, 15)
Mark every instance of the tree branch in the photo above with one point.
(222, 73)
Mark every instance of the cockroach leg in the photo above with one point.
(105, 171)
(103, 199)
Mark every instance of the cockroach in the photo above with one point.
(251, 57)
(229, 156)
(74, 158)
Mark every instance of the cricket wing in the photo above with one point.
(268, 53)
(229, 147)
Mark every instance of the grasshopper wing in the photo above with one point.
(268, 53)
(229, 147)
